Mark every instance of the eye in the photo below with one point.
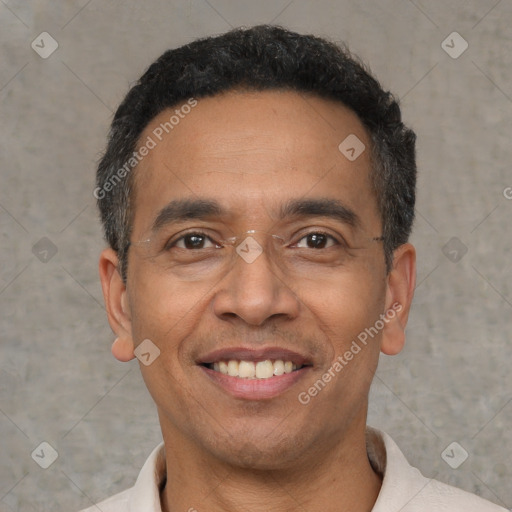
(195, 240)
(318, 240)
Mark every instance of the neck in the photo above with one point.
(334, 478)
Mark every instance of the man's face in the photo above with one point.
(252, 153)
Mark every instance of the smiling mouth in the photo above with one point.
(254, 370)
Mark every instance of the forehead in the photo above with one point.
(254, 152)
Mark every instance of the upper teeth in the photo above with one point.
(251, 370)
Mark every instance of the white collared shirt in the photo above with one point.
(404, 488)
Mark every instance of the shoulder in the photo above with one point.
(404, 488)
(445, 498)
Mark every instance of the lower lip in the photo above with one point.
(255, 389)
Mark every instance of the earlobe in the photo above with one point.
(122, 349)
(401, 282)
(117, 305)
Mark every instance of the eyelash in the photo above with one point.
(169, 245)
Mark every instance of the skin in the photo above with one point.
(251, 151)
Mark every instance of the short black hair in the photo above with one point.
(263, 57)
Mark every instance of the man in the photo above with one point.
(257, 194)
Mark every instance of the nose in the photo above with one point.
(254, 289)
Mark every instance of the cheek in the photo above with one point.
(347, 301)
(166, 313)
(345, 312)
(162, 307)
(348, 313)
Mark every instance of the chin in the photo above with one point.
(261, 455)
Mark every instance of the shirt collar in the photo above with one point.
(145, 494)
(401, 482)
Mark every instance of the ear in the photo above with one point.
(401, 282)
(118, 307)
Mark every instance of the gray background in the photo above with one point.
(58, 380)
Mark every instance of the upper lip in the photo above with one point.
(252, 354)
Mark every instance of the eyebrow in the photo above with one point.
(180, 210)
